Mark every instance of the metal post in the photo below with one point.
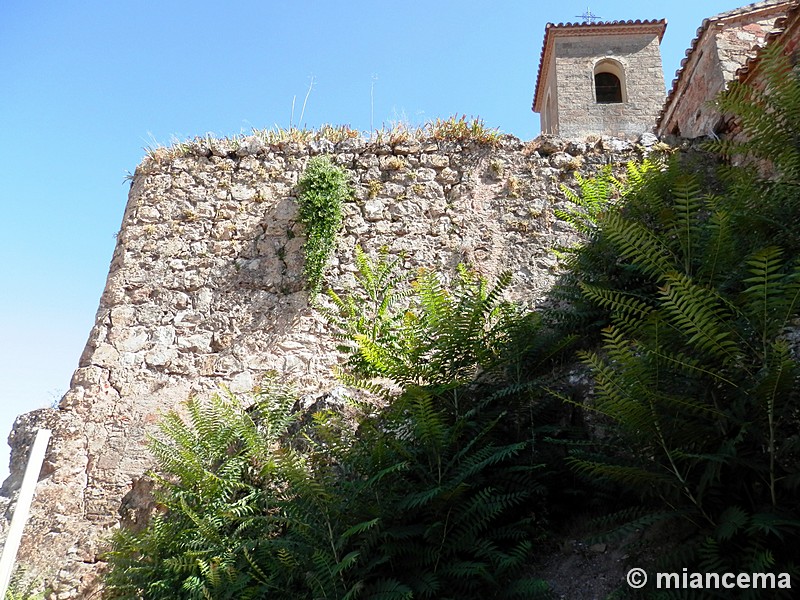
(23, 508)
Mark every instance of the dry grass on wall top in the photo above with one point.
(460, 129)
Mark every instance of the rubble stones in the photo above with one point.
(205, 289)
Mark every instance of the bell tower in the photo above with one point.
(600, 78)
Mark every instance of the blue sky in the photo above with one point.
(86, 85)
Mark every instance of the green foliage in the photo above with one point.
(425, 333)
(596, 194)
(450, 510)
(224, 487)
(768, 113)
(459, 477)
(595, 266)
(373, 313)
(695, 305)
(439, 493)
(322, 190)
(21, 588)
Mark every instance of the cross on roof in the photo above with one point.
(588, 16)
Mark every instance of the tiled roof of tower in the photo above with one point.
(586, 28)
(707, 23)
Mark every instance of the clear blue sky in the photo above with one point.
(86, 85)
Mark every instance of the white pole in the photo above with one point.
(23, 508)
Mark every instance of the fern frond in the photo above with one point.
(623, 305)
(639, 245)
(773, 296)
(700, 315)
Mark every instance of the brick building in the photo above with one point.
(723, 45)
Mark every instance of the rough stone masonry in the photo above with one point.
(205, 289)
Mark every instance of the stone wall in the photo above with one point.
(205, 289)
(579, 114)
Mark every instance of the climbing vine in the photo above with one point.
(323, 189)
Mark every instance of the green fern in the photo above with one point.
(21, 587)
(690, 285)
(769, 114)
(424, 334)
(695, 370)
(221, 494)
(453, 487)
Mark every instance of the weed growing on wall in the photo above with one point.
(323, 189)
(461, 129)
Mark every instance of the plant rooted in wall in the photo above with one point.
(460, 129)
(323, 189)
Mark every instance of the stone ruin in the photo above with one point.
(205, 289)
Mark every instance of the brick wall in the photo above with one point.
(721, 48)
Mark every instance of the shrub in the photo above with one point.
(436, 493)
(226, 476)
(322, 190)
(696, 305)
(697, 372)
(463, 481)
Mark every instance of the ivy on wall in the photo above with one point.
(323, 189)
